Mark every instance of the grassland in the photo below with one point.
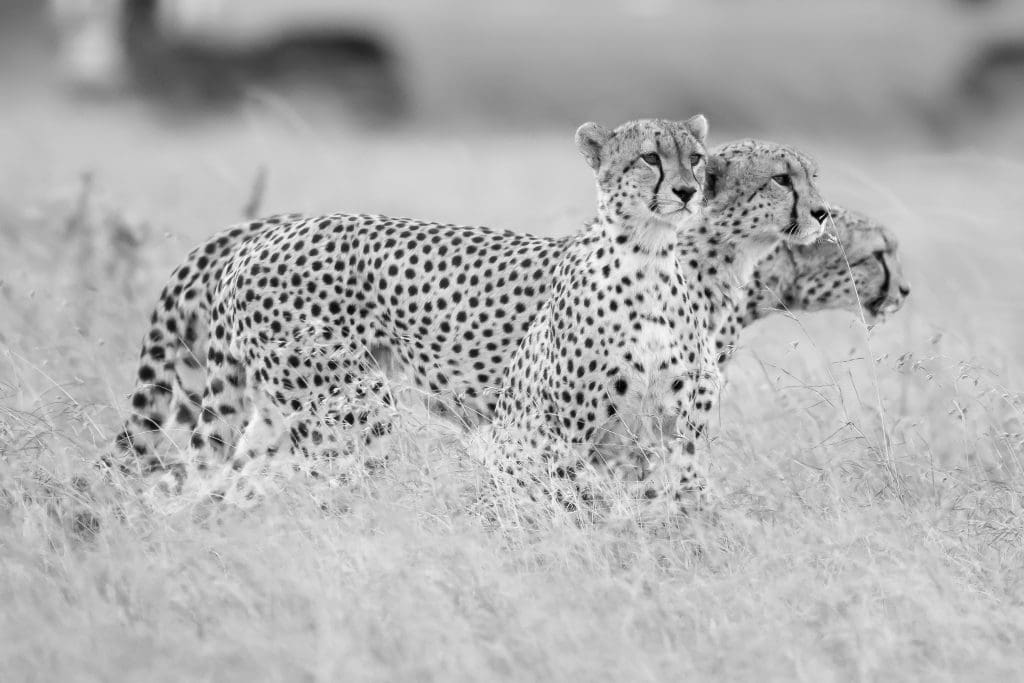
(867, 522)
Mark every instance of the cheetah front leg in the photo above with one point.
(665, 470)
(673, 482)
(680, 481)
(221, 418)
(239, 482)
(531, 463)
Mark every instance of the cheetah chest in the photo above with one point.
(654, 351)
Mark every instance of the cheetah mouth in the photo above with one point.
(881, 304)
(673, 212)
(670, 208)
(802, 236)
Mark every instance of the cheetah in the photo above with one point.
(309, 318)
(306, 315)
(171, 372)
(619, 370)
(473, 290)
(855, 267)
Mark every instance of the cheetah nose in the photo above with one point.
(685, 193)
(820, 215)
(905, 290)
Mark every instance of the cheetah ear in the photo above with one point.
(698, 125)
(590, 139)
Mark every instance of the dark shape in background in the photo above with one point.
(185, 72)
(838, 69)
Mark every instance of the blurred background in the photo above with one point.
(918, 73)
(178, 117)
(834, 67)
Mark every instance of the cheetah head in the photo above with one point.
(766, 191)
(856, 266)
(647, 168)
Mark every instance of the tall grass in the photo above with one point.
(866, 517)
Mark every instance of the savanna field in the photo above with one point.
(867, 518)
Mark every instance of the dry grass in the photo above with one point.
(869, 488)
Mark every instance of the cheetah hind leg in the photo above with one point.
(137, 447)
(239, 481)
(357, 426)
(183, 415)
(190, 381)
(333, 438)
(342, 435)
(220, 422)
(166, 403)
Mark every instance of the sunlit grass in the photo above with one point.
(866, 514)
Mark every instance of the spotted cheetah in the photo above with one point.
(305, 313)
(619, 368)
(856, 267)
(171, 373)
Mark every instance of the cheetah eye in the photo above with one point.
(652, 158)
(695, 159)
(783, 179)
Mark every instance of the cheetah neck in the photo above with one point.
(647, 238)
(719, 264)
(770, 287)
